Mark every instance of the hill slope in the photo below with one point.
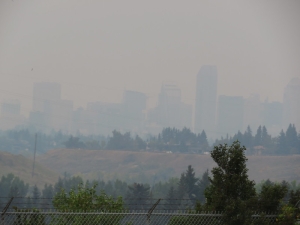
(144, 166)
(22, 167)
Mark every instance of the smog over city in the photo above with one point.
(147, 92)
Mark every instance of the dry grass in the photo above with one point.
(22, 167)
(109, 164)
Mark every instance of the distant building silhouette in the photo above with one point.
(99, 118)
(170, 110)
(272, 114)
(10, 114)
(252, 112)
(291, 103)
(206, 100)
(49, 111)
(134, 107)
(230, 114)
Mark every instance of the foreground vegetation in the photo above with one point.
(226, 188)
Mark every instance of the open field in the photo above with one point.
(147, 166)
(22, 167)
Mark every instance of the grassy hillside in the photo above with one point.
(147, 166)
(22, 167)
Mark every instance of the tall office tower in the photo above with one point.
(100, 118)
(171, 111)
(10, 114)
(272, 117)
(46, 100)
(62, 113)
(206, 100)
(134, 106)
(252, 112)
(291, 104)
(169, 105)
(230, 114)
(12, 107)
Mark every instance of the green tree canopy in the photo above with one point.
(230, 188)
(85, 199)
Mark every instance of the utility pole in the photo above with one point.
(34, 155)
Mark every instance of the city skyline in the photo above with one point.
(230, 113)
(98, 50)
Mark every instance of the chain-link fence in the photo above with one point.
(37, 217)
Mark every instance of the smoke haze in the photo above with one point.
(98, 49)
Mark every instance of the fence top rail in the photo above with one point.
(124, 213)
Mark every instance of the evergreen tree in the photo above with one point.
(74, 143)
(258, 136)
(281, 147)
(138, 196)
(120, 188)
(239, 137)
(36, 195)
(191, 181)
(248, 138)
(12, 186)
(139, 143)
(202, 184)
(171, 201)
(182, 187)
(47, 195)
(203, 143)
(266, 140)
(59, 185)
(292, 139)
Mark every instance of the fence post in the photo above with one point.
(5, 209)
(151, 210)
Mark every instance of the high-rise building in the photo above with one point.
(252, 112)
(99, 118)
(169, 104)
(49, 111)
(291, 104)
(230, 114)
(272, 117)
(10, 114)
(134, 106)
(12, 107)
(62, 115)
(170, 110)
(206, 100)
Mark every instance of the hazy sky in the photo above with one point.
(97, 49)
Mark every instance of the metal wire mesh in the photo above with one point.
(121, 218)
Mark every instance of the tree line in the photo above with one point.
(286, 143)
(169, 139)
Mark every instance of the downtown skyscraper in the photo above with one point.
(291, 103)
(206, 100)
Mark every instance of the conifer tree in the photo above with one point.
(191, 181)
(202, 184)
(292, 139)
(248, 138)
(257, 138)
(138, 196)
(281, 147)
(36, 195)
(171, 199)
